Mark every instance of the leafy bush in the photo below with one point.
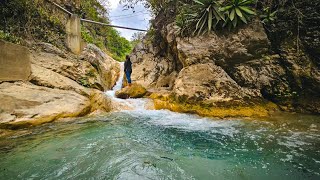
(237, 10)
(208, 17)
(268, 16)
(203, 16)
(9, 37)
(31, 19)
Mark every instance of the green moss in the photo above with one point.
(91, 73)
(84, 82)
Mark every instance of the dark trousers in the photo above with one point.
(128, 75)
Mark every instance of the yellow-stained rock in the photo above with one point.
(99, 101)
(133, 91)
(165, 101)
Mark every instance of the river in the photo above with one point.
(159, 144)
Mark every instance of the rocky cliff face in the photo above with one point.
(61, 85)
(243, 68)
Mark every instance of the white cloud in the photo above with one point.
(114, 4)
(140, 19)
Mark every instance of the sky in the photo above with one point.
(140, 19)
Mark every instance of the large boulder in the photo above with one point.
(133, 91)
(210, 83)
(26, 104)
(226, 49)
(107, 67)
(94, 68)
(79, 71)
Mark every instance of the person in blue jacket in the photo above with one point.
(128, 69)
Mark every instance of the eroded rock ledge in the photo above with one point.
(60, 85)
(226, 74)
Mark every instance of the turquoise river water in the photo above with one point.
(151, 144)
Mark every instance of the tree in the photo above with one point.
(137, 38)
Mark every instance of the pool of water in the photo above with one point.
(149, 144)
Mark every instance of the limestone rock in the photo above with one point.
(99, 101)
(25, 104)
(248, 43)
(108, 68)
(49, 48)
(94, 70)
(43, 77)
(133, 91)
(208, 82)
(149, 67)
(79, 71)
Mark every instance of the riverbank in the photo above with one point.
(57, 85)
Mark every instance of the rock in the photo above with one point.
(79, 71)
(43, 77)
(95, 70)
(108, 68)
(148, 68)
(99, 102)
(249, 66)
(133, 91)
(24, 104)
(248, 43)
(49, 48)
(208, 82)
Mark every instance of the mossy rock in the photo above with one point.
(133, 91)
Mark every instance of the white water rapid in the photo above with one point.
(126, 104)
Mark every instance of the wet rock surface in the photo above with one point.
(133, 91)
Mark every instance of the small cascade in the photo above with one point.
(125, 104)
(118, 86)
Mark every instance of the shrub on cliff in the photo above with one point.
(31, 20)
(201, 16)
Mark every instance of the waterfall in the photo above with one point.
(125, 104)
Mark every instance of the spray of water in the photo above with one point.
(125, 104)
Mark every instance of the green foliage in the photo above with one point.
(106, 38)
(86, 36)
(31, 19)
(156, 6)
(137, 38)
(117, 45)
(84, 82)
(208, 15)
(203, 16)
(238, 11)
(9, 37)
(268, 16)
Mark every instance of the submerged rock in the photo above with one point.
(133, 91)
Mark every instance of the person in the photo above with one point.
(128, 69)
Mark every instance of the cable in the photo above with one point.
(127, 14)
(129, 17)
